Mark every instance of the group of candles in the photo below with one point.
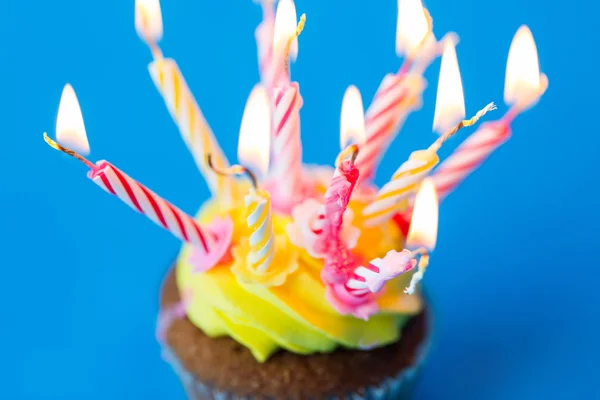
(270, 147)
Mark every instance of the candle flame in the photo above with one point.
(424, 223)
(523, 83)
(450, 100)
(255, 132)
(412, 26)
(285, 28)
(352, 121)
(148, 20)
(70, 129)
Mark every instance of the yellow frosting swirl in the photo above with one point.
(294, 315)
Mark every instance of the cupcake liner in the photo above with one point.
(397, 387)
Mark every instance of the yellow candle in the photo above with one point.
(181, 103)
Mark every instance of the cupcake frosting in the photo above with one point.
(295, 310)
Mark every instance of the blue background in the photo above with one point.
(515, 273)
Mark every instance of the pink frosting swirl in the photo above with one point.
(306, 230)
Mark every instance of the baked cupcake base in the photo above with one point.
(221, 368)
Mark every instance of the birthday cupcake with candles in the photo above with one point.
(300, 281)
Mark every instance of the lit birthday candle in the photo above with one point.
(352, 130)
(253, 149)
(212, 243)
(398, 94)
(422, 235)
(256, 258)
(286, 169)
(421, 238)
(181, 103)
(523, 87)
(337, 196)
(393, 196)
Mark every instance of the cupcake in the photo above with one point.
(293, 335)
(298, 285)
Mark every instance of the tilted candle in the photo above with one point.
(422, 235)
(394, 195)
(423, 232)
(287, 150)
(337, 196)
(338, 193)
(524, 86)
(181, 103)
(398, 94)
(286, 167)
(211, 247)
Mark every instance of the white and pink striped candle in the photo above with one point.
(523, 87)
(398, 94)
(421, 238)
(285, 175)
(70, 129)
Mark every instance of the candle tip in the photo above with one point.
(524, 84)
(231, 171)
(467, 122)
(450, 99)
(291, 48)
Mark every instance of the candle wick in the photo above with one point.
(354, 154)
(420, 251)
(232, 171)
(405, 66)
(68, 151)
(467, 122)
(288, 45)
(351, 151)
(154, 49)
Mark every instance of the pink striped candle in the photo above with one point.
(285, 175)
(398, 94)
(338, 195)
(143, 200)
(469, 156)
(523, 87)
(338, 260)
(114, 181)
(211, 244)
